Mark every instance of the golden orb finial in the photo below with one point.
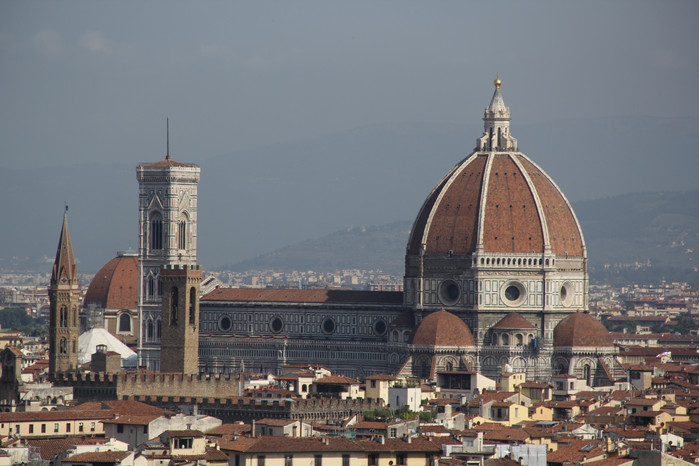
(497, 81)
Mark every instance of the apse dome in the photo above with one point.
(581, 329)
(442, 328)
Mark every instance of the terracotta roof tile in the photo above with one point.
(580, 329)
(514, 320)
(305, 296)
(442, 328)
(115, 286)
(98, 457)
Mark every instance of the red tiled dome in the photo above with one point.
(581, 330)
(514, 320)
(442, 328)
(115, 286)
(522, 210)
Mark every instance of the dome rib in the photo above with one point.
(565, 232)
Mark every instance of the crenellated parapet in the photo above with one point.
(247, 409)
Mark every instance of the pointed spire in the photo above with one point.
(167, 153)
(64, 270)
(497, 108)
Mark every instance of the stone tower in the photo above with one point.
(64, 298)
(179, 344)
(167, 235)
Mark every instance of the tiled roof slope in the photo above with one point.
(304, 296)
(514, 320)
(520, 202)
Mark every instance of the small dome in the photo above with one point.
(442, 328)
(115, 286)
(514, 320)
(581, 330)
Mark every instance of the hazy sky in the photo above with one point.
(92, 81)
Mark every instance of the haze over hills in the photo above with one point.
(650, 235)
(264, 199)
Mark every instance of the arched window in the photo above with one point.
(587, 374)
(125, 323)
(505, 339)
(150, 293)
(182, 232)
(173, 305)
(149, 330)
(62, 348)
(519, 341)
(192, 305)
(63, 317)
(156, 231)
(158, 327)
(75, 346)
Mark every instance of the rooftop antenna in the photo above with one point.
(167, 154)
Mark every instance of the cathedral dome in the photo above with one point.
(581, 330)
(115, 286)
(442, 328)
(496, 201)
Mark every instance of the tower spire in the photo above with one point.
(167, 153)
(64, 270)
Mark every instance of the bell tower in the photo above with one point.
(179, 344)
(64, 298)
(167, 236)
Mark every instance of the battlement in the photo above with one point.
(248, 409)
(101, 386)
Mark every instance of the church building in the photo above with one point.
(495, 275)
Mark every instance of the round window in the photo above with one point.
(276, 324)
(567, 294)
(380, 327)
(225, 323)
(513, 293)
(449, 292)
(328, 325)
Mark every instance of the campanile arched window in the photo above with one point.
(156, 231)
(182, 232)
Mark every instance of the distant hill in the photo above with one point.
(265, 198)
(644, 236)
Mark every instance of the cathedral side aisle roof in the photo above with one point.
(311, 296)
